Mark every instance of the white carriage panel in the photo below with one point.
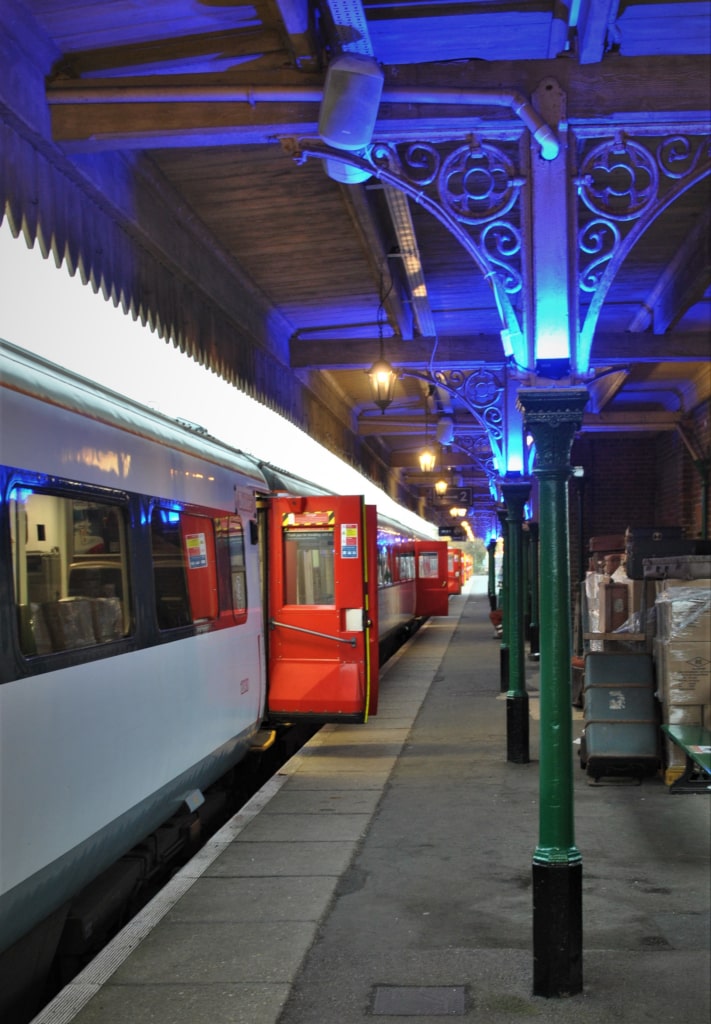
(54, 441)
(396, 606)
(81, 747)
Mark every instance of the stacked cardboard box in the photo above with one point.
(682, 652)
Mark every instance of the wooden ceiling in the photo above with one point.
(217, 103)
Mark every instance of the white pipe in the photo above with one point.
(514, 101)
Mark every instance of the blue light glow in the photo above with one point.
(21, 494)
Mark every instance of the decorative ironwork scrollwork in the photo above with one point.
(478, 183)
(483, 393)
(599, 238)
(422, 162)
(502, 239)
(677, 155)
(619, 179)
(626, 184)
(476, 186)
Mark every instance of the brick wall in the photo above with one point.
(637, 481)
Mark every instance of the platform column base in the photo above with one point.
(557, 929)
(504, 667)
(517, 728)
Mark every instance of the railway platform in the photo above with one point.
(385, 875)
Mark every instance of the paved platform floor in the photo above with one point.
(385, 876)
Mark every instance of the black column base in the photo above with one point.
(504, 667)
(517, 729)
(557, 929)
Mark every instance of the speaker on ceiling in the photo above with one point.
(351, 97)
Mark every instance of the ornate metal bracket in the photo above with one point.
(473, 190)
(624, 184)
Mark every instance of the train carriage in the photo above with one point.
(146, 629)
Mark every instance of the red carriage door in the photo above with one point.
(321, 613)
(455, 570)
(432, 589)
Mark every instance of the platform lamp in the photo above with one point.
(382, 375)
(442, 483)
(427, 457)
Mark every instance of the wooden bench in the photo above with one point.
(695, 741)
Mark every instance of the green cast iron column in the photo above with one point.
(533, 574)
(504, 650)
(516, 492)
(491, 548)
(552, 416)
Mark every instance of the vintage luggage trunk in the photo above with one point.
(680, 567)
(653, 542)
(621, 735)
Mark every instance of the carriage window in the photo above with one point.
(70, 571)
(185, 567)
(309, 567)
(428, 565)
(169, 574)
(405, 565)
(231, 569)
(384, 574)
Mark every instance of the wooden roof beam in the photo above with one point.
(202, 110)
(682, 284)
(334, 352)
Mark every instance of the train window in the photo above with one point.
(185, 567)
(231, 569)
(70, 571)
(169, 573)
(309, 567)
(427, 565)
(405, 565)
(385, 576)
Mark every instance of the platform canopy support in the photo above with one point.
(552, 415)
(516, 491)
(491, 549)
(505, 622)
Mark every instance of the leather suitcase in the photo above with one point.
(653, 542)
(621, 734)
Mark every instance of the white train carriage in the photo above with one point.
(97, 750)
(163, 597)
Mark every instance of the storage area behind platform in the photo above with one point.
(665, 618)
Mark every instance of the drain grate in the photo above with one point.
(418, 1001)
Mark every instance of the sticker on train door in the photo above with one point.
(196, 549)
(349, 540)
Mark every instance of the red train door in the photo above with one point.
(322, 608)
(455, 570)
(432, 589)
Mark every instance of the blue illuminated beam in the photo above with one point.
(552, 310)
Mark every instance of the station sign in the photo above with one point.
(453, 532)
(461, 496)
